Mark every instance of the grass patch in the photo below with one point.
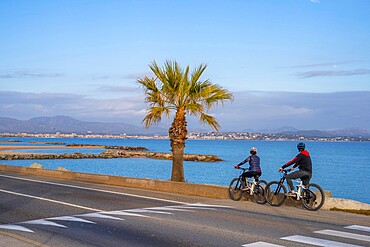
(355, 211)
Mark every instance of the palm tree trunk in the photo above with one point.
(177, 134)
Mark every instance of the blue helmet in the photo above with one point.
(301, 146)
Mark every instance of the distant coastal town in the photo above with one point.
(196, 136)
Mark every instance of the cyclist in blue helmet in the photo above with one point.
(304, 164)
(254, 165)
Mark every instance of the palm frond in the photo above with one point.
(154, 115)
(209, 120)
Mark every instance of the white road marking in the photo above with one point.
(261, 244)
(317, 241)
(170, 209)
(207, 205)
(98, 215)
(189, 207)
(121, 212)
(92, 189)
(101, 214)
(43, 222)
(360, 228)
(71, 218)
(50, 200)
(146, 211)
(16, 228)
(345, 235)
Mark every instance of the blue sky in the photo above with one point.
(298, 63)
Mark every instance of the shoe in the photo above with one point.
(292, 193)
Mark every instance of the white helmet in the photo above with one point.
(253, 150)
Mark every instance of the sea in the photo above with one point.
(340, 167)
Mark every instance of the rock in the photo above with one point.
(345, 204)
(62, 169)
(36, 165)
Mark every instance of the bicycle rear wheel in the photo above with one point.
(259, 194)
(275, 193)
(235, 189)
(262, 183)
(313, 197)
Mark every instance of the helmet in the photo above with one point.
(301, 146)
(253, 150)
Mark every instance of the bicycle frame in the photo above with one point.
(249, 185)
(281, 182)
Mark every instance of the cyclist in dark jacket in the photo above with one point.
(254, 165)
(304, 164)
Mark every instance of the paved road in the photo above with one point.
(37, 211)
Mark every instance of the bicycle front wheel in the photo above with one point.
(235, 189)
(313, 197)
(275, 193)
(259, 194)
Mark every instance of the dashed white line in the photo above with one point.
(345, 235)
(43, 222)
(71, 218)
(15, 227)
(317, 241)
(261, 244)
(360, 228)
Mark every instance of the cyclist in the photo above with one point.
(254, 165)
(304, 163)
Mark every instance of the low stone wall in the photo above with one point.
(210, 191)
(203, 190)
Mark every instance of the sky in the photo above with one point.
(298, 63)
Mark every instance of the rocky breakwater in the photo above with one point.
(127, 148)
(109, 154)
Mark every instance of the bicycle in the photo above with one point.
(311, 195)
(253, 187)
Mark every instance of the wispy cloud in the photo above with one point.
(315, 1)
(27, 74)
(27, 105)
(329, 64)
(317, 73)
(118, 89)
(256, 110)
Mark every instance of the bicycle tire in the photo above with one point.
(313, 197)
(235, 189)
(263, 183)
(259, 194)
(274, 196)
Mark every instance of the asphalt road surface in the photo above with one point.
(49, 212)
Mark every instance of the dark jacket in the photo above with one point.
(302, 160)
(254, 163)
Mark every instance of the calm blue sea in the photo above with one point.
(341, 167)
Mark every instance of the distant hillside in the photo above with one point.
(350, 132)
(64, 124)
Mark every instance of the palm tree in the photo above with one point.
(175, 89)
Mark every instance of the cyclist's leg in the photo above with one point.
(246, 175)
(256, 175)
(306, 176)
(293, 175)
